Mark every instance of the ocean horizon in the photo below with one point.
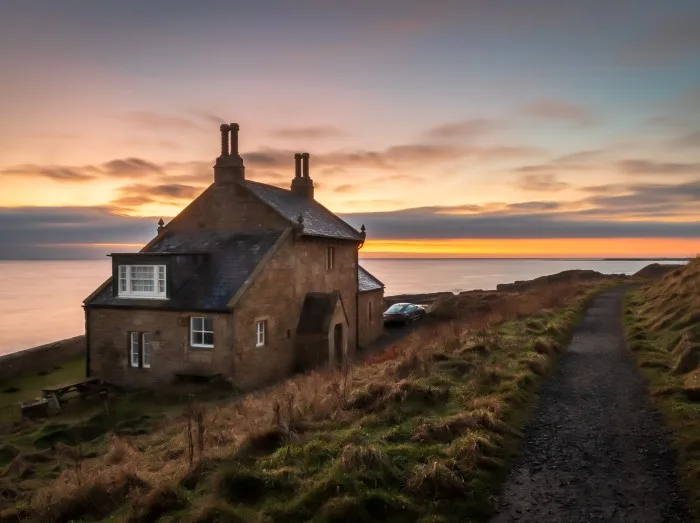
(41, 300)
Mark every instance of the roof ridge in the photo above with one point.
(310, 201)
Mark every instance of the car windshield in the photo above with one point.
(397, 307)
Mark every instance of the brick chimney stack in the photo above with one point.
(229, 165)
(297, 165)
(302, 184)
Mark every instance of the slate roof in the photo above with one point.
(317, 312)
(229, 261)
(318, 221)
(367, 282)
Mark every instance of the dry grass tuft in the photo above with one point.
(356, 458)
(545, 345)
(687, 356)
(262, 442)
(408, 390)
(469, 448)
(691, 386)
(437, 479)
(445, 430)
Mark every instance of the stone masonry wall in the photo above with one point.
(298, 267)
(41, 358)
(371, 319)
(109, 346)
(226, 207)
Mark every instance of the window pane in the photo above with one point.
(197, 338)
(208, 324)
(208, 338)
(146, 350)
(134, 351)
(161, 279)
(122, 278)
(197, 324)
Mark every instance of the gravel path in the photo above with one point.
(594, 449)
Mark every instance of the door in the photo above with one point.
(338, 344)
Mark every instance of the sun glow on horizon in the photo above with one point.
(532, 247)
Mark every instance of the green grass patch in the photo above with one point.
(22, 388)
(661, 327)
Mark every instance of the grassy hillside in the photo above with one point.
(22, 388)
(419, 432)
(663, 329)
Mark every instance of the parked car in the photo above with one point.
(404, 313)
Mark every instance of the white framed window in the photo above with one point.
(146, 349)
(140, 349)
(202, 332)
(260, 333)
(135, 349)
(142, 281)
(330, 258)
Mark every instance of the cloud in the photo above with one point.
(559, 111)
(52, 172)
(344, 188)
(640, 210)
(648, 167)
(634, 211)
(130, 167)
(541, 182)
(189, 120)
(134, 196)
(155, 120)
(319, 132)
(67, 232)
(118, 168)
(466, 129)
(690, 140)
(415, 155)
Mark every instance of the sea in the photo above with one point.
(41, 301)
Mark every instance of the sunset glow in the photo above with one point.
(527, 247)
(452, 129)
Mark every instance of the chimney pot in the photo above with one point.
(224, 128)
(305, 165)
(234, 138)
(297, 165)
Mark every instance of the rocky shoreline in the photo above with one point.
(654, 270)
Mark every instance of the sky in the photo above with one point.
(449, 128)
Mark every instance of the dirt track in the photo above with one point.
(594, 449)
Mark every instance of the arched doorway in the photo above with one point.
(338, 345)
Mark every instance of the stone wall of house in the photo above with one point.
(226, 207)
(371, 308)
(109, 346)
(41, 358)
(277, 295)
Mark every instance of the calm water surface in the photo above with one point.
(41, 301)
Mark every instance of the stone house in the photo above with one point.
(249, 281)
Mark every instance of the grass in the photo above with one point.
(662, 320)
(423, 433)
(17, 390)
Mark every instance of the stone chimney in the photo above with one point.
(229, 165)
(302, 184)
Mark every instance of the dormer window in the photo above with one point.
(142, 281)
